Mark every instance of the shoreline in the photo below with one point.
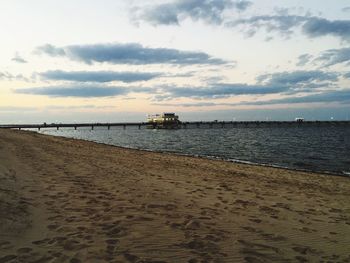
(208, 157)
(69, 200)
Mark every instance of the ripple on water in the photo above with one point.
(307, 148)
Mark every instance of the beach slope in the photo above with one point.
(65, 200)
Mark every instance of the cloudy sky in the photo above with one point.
(118, 60)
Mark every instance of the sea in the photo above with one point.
(324, 148)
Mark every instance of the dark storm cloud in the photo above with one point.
(134, 54)
(286, 24)
(334, 56)
(210, 11)
(78, 90)
(98, 76)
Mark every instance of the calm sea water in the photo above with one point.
(325, 148)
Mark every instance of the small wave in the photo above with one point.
(293, 163)
(303, 165)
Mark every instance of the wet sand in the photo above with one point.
(65, 200)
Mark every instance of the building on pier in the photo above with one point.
(163, 121)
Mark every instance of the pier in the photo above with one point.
(182, 125)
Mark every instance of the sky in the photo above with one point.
(119, 60)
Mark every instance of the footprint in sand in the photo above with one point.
(250, 229)
(53, 227)
(274, 237)
(255, 252)
(304, 250)
(40, 242)
(192, 224)
(73, 245)
(255, 220)
(268, 210)
(301, 259)
(5, 245)
(111, 241)
(7, 258)
(130, 257)
(24, 250)
(75, 260)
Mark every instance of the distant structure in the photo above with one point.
(299, 119)
(163, 121)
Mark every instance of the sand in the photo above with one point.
(65, 200)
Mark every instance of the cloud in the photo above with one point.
(99, 90)
(277, 83)
(134, 54)
(209, 11)
(11, 77)
(334, 56)
(17, 58)
(224, 90)
(346, 9)
(50, 50)
(342, 96)
(242, 5)
(303, 60)
(52, 107)
(282, 82)
(297, 77)
(84, 90)
(347, 75)
(16, 109)
(78, 90)
(316, 27)
(213, 12)
(98, 76)
(187, 105)
(79, 107)
(286, 25)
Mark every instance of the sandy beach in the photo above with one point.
(65, 200)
